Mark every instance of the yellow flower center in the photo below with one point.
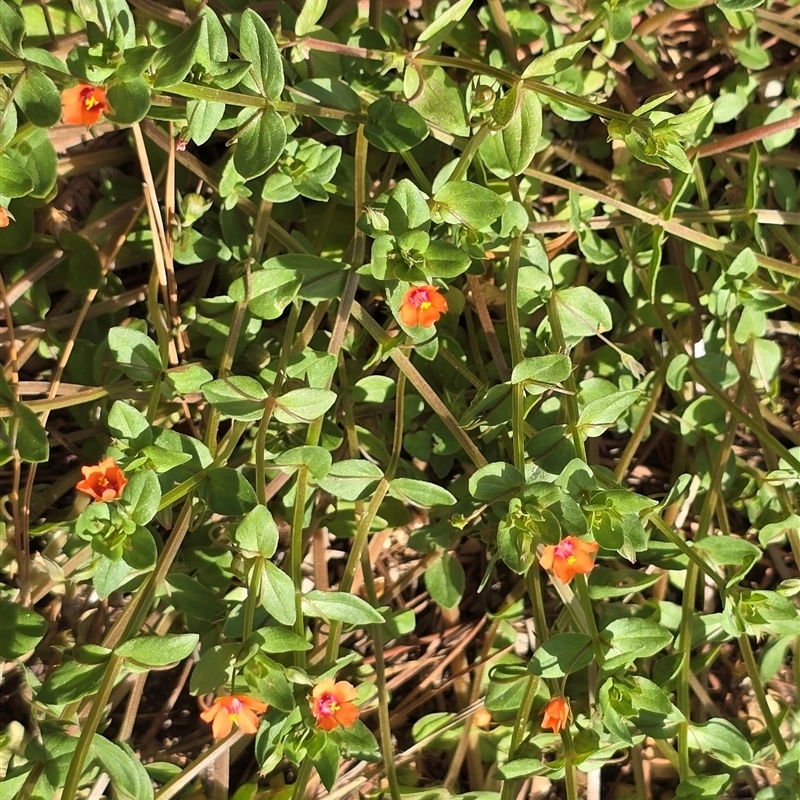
(90, 102)
(570, 559)
(425, 305)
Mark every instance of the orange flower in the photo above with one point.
(83, 104)
(5, 217)
(238, 708)
(103, 482)
(422, 305)
(556, 714)
(569, 558)
(332, 704)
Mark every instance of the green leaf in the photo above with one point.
(445, 260)
(30, 440)
(739, 5)
(128, 776)
(70, 682)
(445, 581)
(135, 353)
(309, 15)
(257, 45)
(721, 740)
(438, 30)
(303, 405)
(351, 479)
(12, 29)
(542, 371)
(279, 640)
(38, 98)
(15, 181)
(257, 533)
(332, 93)
(204, 116)
(229, 492)
(129, 424)
(84, 266)
(340, 606)
(317, 460)
(271, 289)
(20, 630)
(260, 142)
(582, 313)
(277, 594)
(129, 101)
(213, 668)
(158, 651)
(173, 62)
(602, 413)
(194, 598)
(326, 762)
(238, 397)
(562, 654)
(491, 482)
(142, 496)
(420, 493)
(407, 209)
(465, 203)
(394, 127)
(631, 638)
(510, 151)
(555, 61)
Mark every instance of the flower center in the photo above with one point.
(233, 706)
(90, 99)
(565, 550)
(328, 705)
(420, 299)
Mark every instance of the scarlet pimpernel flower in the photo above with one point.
(568, 558)
(238, 708)
(83, 104)
(5, 217)
(104, 481)
(332, 704)
(422, 305)
(556, 714)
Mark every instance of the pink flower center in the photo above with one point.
(566, 550)
(327, 705)
(233, 705)
(419, 299)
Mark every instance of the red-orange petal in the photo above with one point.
(408, 315)
(347, 715)
(247, 720)
(222, 724)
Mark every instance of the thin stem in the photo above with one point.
(515, 340)
(569, 764)
(96, 714)
(296, 557)
(518, 731)
(570, 384)
(761, 697)
(253, 594)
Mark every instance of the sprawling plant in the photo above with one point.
(358, 306)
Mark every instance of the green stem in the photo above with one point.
(296, 557)
(376, 632)
(569, 764)
(570, 384)
(588, 610)
(515, 341)
(253, 594)
(366, 520)
(518, 731)
(544, 89)
(96, 714)
(269, 405)
(761, 697)
(468, 153)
